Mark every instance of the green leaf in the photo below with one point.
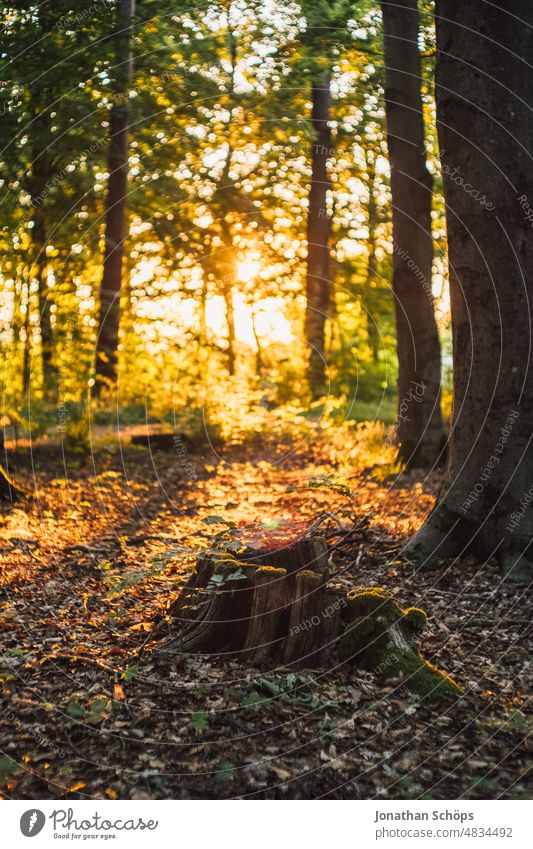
(517, 720)
(238, 575)
(8, 766)
(75, 708)
(271, 524)
(97, 708)
(253, 698)
(225, 771)
(235, 545)
(131, 672)
(200, 720)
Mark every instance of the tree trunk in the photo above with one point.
(115, 218)
(227, 266)
(44, 303)
(420, 428)
(42, 171)
(259, 362)
(230, 321)
(26, 354)
(41, 174)
(371, 270)
(485, 125)
(318, 286)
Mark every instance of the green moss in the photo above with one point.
(361, 642)
(379, 637)
(272, 571)
(226, 565)
(421, 676)
(370, 600)
(415, 620)
(309, 575)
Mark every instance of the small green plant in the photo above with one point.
(199, 720)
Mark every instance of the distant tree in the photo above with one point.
(318, 285)
(326, 32)
(49, 152)
(115, 218)
(420, 428)
(485, 124)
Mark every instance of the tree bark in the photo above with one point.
(115, 218)
(371, 270)
(26, 354)
(259, 361)
(420, 428)
(230, 321)
(44, 303)
(227, 204)
(485, 125)
(318, 284)
(41, 174)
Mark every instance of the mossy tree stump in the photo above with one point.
(380, 636)
(278, 607)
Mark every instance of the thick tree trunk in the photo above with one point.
(115, 219)
(420, 428)
(485, 124)
(318, 286)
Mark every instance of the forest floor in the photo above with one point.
(92, 708)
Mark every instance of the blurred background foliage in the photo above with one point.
(219, 170)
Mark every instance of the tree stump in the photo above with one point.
(289, 615)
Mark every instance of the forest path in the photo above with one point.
(90, 564)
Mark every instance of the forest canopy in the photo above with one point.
(220, 155)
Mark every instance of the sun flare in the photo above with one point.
(247, 269)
